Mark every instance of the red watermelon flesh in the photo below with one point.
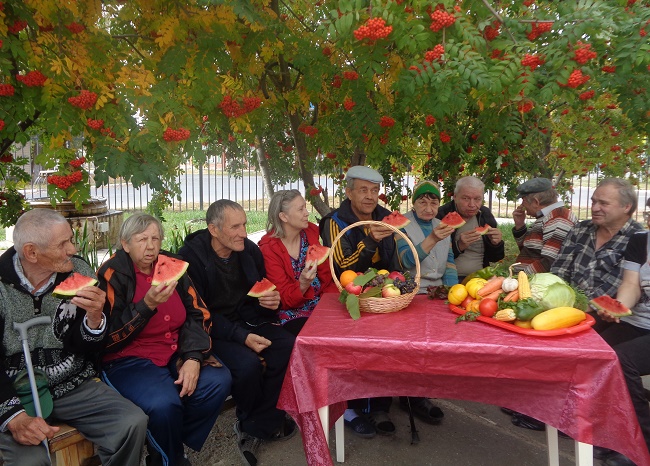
(482, 230)
(395, 219)
(167, 270)
(453, 219)
(261, 287)
(71, 285)
(610, 305)
(317, 253)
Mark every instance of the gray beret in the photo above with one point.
(359, 172)
(536, 185)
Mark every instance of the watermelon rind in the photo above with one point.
(482, 230)
(610, 305)
(69, 287)
(396, 220)
(317, 253)
(167, 270)
(453, 219)
(261, 287)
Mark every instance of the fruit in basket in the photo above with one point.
(488, 307)
(558, 317)
(69, 287)
(389, 291)
(347, 277)
(456, 294)
(453, 219)
(317, 253)
(610, 305)
(353, 289)
(397, 275)
(395, 219)
(261, 287)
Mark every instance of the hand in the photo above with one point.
(607, 317)
(307, 275)
(257, 343)
(159, 294)
(495, 235)
(270, 300)
(519, 216)
(92, 300)
(188, 376)
(212, 361)
(378, 232)
(466, 238)
(27, 430)
(441, 232)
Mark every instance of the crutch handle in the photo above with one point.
(22, 327)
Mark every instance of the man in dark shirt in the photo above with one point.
(224, 265)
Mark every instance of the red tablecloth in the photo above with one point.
(573, 382)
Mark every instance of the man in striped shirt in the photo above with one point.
(540, 244)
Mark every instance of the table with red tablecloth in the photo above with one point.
(572, 382)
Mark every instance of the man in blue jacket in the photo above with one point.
(246, 335)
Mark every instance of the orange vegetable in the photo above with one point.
(513, 296)
(493, 284)
(494, 295)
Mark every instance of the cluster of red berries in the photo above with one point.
(430, 120)
(1, 44)
(17, 26)
(577, 79)
(348, 103)
(2, 125)
(528, 3)
(32, 79)
(327, 51)
(375, 28)
(565, 111)
(6, 90)
(107, 132)
(76, 163)
(386, 122)
(612, 106)
(583, 53)
(435, 54)
(6, 158)
(65, 181)
(75, 28)
(316, 191)
(337, 81)
(330, 155)
(234, 109)
(383, 139)
(532, 61)
(308, 130)
(441, 19)
(444, 137)
(615, 148)
(587, 95)
(95, 124)
(609, 69)
(491, 32)
(179, 134)
(525, 106)
(351, 75)
(538, 29)
(85, 100)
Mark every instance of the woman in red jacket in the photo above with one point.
(284, 247)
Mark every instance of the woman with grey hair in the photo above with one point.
(284, 247)
(158, 350)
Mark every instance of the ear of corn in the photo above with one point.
(524, 285)
(506, 315)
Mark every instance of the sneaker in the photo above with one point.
(288, 430)
(423, 409)
(381, 421)
(248, 446)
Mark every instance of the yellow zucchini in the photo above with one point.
(523, 323)
(558, 317)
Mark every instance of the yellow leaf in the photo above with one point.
(167, 32)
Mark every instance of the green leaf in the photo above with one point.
(365, 278)
(372, 292)
(352, 304)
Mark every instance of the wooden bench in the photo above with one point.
(69, 448)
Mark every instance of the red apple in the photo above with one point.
(395, 274)
(353, 289)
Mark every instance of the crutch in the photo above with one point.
(22, 328)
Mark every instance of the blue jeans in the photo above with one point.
(173, 421)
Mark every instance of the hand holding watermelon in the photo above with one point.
(265, 291)
(378, 232)
(441, 232)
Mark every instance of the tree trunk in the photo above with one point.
(264, 166)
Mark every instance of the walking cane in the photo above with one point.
(415, 438)
(22, 330)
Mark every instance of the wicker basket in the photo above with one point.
(380, 305)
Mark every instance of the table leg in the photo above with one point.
(552, 446)
(324, 415)
(584, 454)
(340, 440)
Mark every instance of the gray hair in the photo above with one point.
(216, 212)
(136, 224)
(545, 198)
(279, 203)
(470, 182)
(626, 192)
(34, 226)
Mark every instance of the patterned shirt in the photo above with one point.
(540, 244)
(596, 272)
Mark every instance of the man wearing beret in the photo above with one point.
(540, 244)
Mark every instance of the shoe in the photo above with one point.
(248, 446)
(508, 411)
(617, 459)
(361, 427)
(423, 409)
(601, 453)
(288, 430)
(527, 422)
(382, 422)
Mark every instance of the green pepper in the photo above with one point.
(526, 309)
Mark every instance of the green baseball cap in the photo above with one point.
(24, 391)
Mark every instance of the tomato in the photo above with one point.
(456, 294)
(488, 307)
(466, 302)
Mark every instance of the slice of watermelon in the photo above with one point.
(395, 219)
(453, 219)
(261, 287)
(482, 230)
(167, 270)
(69, 287)
(611, 306)
(317, 253)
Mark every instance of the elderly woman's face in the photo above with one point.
(426, 208)
(144, 248)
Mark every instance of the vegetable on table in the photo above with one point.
(510, 284)
(492, 285)
(559, 317)
(524, 285)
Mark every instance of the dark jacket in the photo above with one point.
(126, 319)
(202, 258)
(493, 253)
(356, 249)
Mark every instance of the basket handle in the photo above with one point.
(372, 222)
